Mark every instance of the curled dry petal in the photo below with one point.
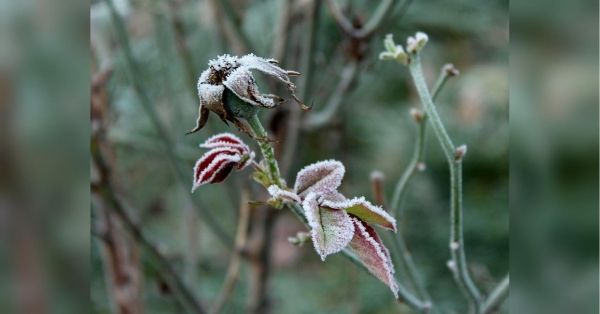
(364, 210)
(322, 178)
(214, 166)
(278, 192)
(369, 249)
(227, 151)
(331, 229)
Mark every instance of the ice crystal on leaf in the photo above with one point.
(227, 152)
(364, 210)
(337, 222)
(369, 248)
(331, 229)
(228, 89)
(322, 178)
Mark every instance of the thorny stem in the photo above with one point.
(400, 192)
(419, 152)
(461, 275)
(267, 151)
(497, 296)
(136, 75)
(383, 9)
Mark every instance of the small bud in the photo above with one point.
(292, 73)
(300, 239)
(389, 44)
(454, 246)
(451, 70)
(422, 39)
(461, 151)
(386, 55)
(377, 175)
(421, 166)
(411, 45)
(451, 265)
(400, 55)
(416, 114)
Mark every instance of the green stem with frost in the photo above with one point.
(461, 274)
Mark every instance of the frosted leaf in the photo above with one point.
(226, 140)
(369, 249)
(331, 230)
(335, 196)
(278, 192)
(214, 166)
(364, 210)
(322, 178)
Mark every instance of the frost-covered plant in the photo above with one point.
(337, 222)
(227, 152)
(228, 89)
(230, 75)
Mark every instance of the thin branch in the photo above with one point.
(417, 161)
(281, 35)
(381, 12)
(183, 48)
(106, 191)
(295, 117)
(377, 190)
(138, 83)
(497, 297)
(234, 266)
(324, 116)
(461, 273)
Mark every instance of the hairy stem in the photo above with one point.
(497, 297)
(140, 89)
(461, 275)
(266, 149)
(419, 152)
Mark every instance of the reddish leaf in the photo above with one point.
(364, 210)
(331, 229)
(369, 249)
(212, 167)
(322, 178)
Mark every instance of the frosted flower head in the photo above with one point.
(227, 152)
(228, 89)
(415, 44)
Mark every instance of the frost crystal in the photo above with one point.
(331, 230)
(369, 249)
(321, 178)
(278, 192)
(364, 210)
(227, 152)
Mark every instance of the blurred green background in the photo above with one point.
(172, 41)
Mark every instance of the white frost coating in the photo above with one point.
(211, 167)
(379, 265)
(277, 192)
(322, 178)
(422, 39)
(241, 82)
(226, 140)
(210, 95)
(331, 230)
(368, 213)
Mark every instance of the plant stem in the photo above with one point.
(266, 149)
(419, 152)
(461, 275)
(497, 297)
(138, 84)
(383, 9)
